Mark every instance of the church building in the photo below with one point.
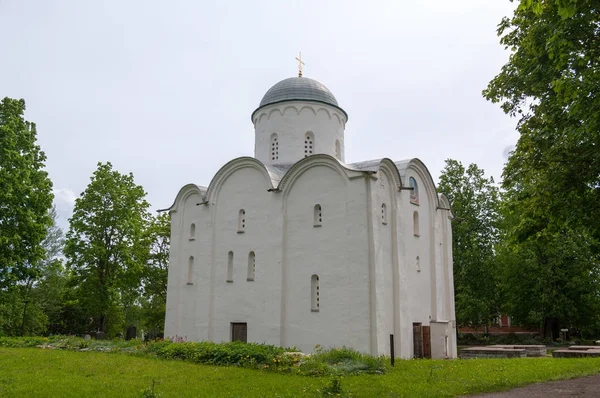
(296, 247)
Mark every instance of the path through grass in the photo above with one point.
(44, 373)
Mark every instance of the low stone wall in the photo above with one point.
(577, 351)
(583, 347)
(492, 352)
(531, 350)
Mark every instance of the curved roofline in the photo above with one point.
(229, 168)
(298, 100)
(185, 191)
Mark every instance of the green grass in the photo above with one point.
(26, 372)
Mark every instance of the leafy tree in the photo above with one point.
(155, 276)
(551, 83)
(105, 247)
(27, 307)
(552, 179)
(25, 196)
(475, 203)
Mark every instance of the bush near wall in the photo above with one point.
(333, 361)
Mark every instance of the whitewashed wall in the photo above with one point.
(291, 121)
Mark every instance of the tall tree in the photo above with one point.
(551, 83)
(25, 195)
(552, 179)
(155, 275)
(105, 247)
(475, 203)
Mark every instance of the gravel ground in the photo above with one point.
(582, 387)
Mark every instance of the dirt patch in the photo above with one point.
(583, 387)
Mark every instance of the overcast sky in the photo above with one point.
(165, 89)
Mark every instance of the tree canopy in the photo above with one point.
(106, 247)
(475, 202)
(551, 203)
(25, 195)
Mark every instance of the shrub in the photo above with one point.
(338, 361)
(235, 353)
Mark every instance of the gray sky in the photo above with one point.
(165, 89)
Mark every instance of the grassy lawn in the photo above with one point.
(32, 372)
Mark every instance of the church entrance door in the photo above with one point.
(239, 331)
(417, 340)
(427, 342)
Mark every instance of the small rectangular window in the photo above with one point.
(317, 216)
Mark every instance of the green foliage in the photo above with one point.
(222, 354)
(341, 361)
(154, 276)
(82, 374)
(150, 393)
(105, 247)
(333, 388)
(25, 196)
(475, 203)
(552, 179)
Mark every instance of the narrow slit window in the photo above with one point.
(309, 144)
(230, 267)
(274, 147)
(251, 266)
(338, 150)
(241, 221)
(314, 293)
(192, 231)
(416, 224)
(418, 264)
(318, 216)
(384, 220)
(190, 273)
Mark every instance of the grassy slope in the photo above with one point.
(42, 373)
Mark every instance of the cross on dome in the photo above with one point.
(300, 64)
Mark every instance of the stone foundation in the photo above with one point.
(492, 352)
(531, 350)
(577, 351)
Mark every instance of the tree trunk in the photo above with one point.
(551, 330)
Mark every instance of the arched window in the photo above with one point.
(309, 144)
(314, 293)
(274, 147)
(384, 214)
(230, 267)
(338, 150)
(416, 224)
(414, 193)
(241, 221)
(251, 266)
(192, 231)
(418, 264)
(317, 216)
(190, 275)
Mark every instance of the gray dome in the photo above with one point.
(298, 88)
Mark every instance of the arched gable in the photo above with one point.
(184, 193)
(287, 181)
(388, 167)
(231, 167)
(422, 171)
(445, 204)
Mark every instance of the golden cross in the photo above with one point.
(300, 63)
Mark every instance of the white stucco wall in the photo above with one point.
(291, 121)
(336, 252)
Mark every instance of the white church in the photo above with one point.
(296, 247)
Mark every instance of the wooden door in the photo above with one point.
(417, 340)
(239, 331)
(426, 341)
